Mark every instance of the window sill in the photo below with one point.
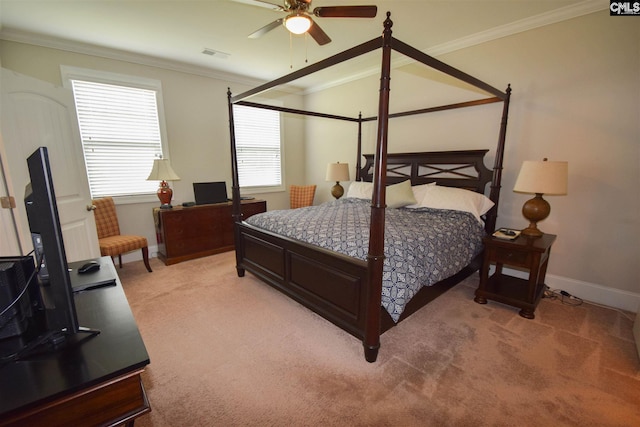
(129, 200)
(245, 191)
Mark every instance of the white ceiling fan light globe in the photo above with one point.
(297, 23)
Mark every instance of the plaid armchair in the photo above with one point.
(301, 195)
(111, 242)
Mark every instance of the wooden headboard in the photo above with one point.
(462, 169)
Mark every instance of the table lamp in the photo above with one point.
(163, 172)
(337, 172)
(540, 178)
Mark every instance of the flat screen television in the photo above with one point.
(44, 224)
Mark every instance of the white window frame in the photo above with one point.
(70, 73)
(273, 188)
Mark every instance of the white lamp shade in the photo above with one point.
(337, 172)
(162, 171)
(297, 23)
(542, 177)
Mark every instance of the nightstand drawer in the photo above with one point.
(512, 257)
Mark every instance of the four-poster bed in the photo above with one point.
(346, 290)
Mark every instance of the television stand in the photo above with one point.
(93, 380)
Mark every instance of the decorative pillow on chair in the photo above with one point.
(400, 195)
(360, 190)
(459, 199)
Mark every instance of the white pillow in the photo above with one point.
(419, 191)
(360, 190)
(459, 199)
(400, 194)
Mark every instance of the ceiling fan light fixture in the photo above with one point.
(297, 23)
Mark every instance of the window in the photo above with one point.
(121, 128)
(258, 146)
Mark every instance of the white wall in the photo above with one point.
(576, 97)
(197, 122)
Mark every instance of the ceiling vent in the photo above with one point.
(215, 53)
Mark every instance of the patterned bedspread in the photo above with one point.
(422, 246)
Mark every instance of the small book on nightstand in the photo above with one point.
(506, 233)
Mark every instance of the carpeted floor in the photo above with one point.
(229, 351)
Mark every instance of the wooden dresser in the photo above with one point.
(185, 233)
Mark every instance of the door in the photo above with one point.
(36, 113)
(9, 243)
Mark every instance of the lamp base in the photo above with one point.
(531, 231)
(165, 194)
(535, 210)
(337, 191)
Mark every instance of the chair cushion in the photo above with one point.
(116, 245)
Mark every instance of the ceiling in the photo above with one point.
(175, 33)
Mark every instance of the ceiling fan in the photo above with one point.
(299, 21)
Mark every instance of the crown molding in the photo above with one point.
(36, 39)
(541, 20)
(562, 14)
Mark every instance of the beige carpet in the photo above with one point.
(229, 351)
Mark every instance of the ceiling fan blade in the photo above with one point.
(318, 34)
(264, 30)
(262, 3)
(346, 11)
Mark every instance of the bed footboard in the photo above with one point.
(331, 284)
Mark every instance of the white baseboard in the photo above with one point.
(611, 297)
(636, 332)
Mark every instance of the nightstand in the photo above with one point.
(531, 254)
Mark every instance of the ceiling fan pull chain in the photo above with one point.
(290, 51)
(306, 48)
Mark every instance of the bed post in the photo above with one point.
(359, 158)
(496, 180)
(235, 185)
(375, 257)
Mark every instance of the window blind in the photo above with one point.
(258, 146)
(121, 137)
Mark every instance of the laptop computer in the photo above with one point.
(210, 192)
